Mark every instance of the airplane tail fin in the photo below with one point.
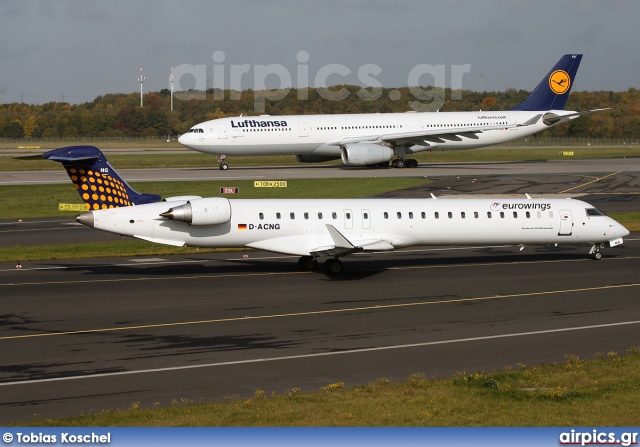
(553, 91)
(97, 182)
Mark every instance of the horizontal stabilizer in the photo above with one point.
(552, 119)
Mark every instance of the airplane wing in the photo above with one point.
(420, 137)
(342, 246)
(427, 137)
(160, 241)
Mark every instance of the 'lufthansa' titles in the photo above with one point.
(258, 123)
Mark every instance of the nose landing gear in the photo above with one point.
(222, 159)
(595, 253)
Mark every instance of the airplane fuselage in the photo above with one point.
(324, 134)
(300, 227)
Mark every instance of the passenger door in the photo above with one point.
(566, 223)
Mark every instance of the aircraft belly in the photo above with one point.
(265, 148)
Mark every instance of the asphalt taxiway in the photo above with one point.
(84, 336)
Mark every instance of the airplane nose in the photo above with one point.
(624, 232)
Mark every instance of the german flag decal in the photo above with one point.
(242, 226)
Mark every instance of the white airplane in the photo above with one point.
(375, 139)
(327, 227)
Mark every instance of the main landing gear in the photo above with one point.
(222, 159)
(404, 163)
(332, 266)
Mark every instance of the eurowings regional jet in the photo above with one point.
(327, 227)
(375, 139)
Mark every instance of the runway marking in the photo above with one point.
(588, 183)
(323, 354)
(319, 312)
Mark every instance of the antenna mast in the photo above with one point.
(141, 79)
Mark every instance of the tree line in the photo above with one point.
(120, 115)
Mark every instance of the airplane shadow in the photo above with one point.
(356, 268)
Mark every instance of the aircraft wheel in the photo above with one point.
(307, 263)
(412, 163)
(224, 166)
(596, 255)
(333, 267)
(400, 163)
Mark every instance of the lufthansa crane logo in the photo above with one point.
(559, 82)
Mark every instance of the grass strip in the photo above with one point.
(602, 392)
(198, 160)
(36, 201)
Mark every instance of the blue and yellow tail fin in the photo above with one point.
(98, 184)
(553, 91)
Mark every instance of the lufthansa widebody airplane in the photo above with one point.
(377, 139)
(331, 228)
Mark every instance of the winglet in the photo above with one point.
(338, 239)
(97, 182)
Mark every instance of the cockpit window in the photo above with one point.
(594, 212)
(196, 130)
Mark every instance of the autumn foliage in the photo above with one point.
(120, 115)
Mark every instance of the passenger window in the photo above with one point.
(306, 215)
(277, 215)
(365, 216)
(528, 214)
(410, 215)
(450, 215)
(292, 215)
(515, 214)
(319, 215)
(261, 216)
(489, 214)
(347, 215)
(437, 215)
(334, 215)
(386, 215)
(462, 214)
(424, 215)
(475, 214)
(399, 214)
(502, 214)
(551, 214)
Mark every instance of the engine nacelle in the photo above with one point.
(209, 211)
(312, 158)
(364, 154)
